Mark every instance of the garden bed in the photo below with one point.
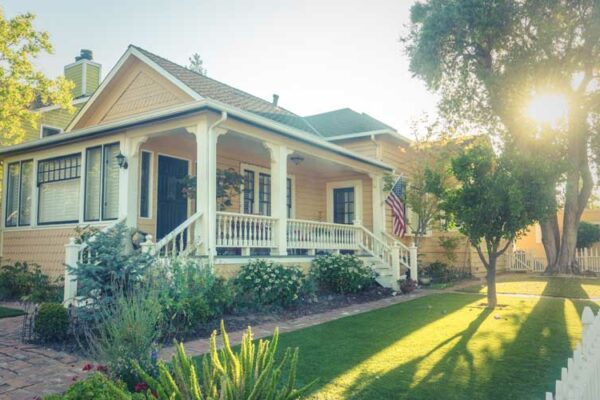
(323, 303)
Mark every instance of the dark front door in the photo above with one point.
(172, 204)
(343, 205)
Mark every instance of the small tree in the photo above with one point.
(196, 64)
(21, 84)
(493, 202)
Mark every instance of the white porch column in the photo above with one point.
(378, 205)
(279, 155)
(129, 180)
(206, 185)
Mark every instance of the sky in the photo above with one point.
(317, 55)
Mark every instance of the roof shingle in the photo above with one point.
(215, 90)
(345, 121)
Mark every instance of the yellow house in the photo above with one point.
(311, 184)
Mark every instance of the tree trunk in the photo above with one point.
(491, 283)
(579, 187)
(551, 240)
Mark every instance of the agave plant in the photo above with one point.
(252, 373)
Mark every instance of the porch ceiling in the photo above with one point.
(252, 151)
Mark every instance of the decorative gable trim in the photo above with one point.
(131, 51)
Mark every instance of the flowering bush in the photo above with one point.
(341, 273)
(267, 283)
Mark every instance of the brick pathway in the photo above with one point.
(28, 371)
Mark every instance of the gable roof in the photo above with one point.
(215, 90)
(346, 121)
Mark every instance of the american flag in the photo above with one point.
(394, 200)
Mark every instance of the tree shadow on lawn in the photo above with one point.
(517, 355)
(332, 351)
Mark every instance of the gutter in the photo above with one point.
(181, 111)
(371, 133)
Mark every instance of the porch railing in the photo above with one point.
(314, 235)
(180, 241)
(245, 230)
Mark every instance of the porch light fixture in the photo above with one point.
(121, 161)
(296, 159)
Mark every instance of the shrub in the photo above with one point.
(441, 273)
(51, 322)
(251, 373)
(407, 286)
(587, 234)
(112, 265)
(126, 330)
(268, 284)
(23, 281)
(97, 387)
(342, 273)
(190, 295)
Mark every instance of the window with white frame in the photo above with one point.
(145, 181)
(49, 131)
(101, 183)
(257, 191)
(19, 192)
(58, 181)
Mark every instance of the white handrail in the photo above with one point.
(180, 241)
(404, 249)
(376, 246)
(245, 230)
(313, 235)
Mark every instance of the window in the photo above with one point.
(343, 205)
(264, 194)
(145, 184)
(263, 188)
(50, 131)
(102, 183)
(248, 192)
(58, 182)
(19, 192)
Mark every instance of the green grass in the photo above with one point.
(443, 346)
(572, 288)
(9, 312)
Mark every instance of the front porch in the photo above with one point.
(295, 201)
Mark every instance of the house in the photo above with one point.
(310, 184)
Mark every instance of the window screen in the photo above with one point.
(58, 182)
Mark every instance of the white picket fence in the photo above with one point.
(580, 380)
(522, 261)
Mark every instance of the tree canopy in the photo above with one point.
(21, 84)
(489, 59)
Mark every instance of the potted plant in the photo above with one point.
(407, 286)
(425, 279)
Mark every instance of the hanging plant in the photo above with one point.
(229, 185)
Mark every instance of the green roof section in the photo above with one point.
(345, 121)
(215, 90)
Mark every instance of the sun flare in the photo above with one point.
(548, 109)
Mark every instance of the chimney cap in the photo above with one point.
(85, 54)
(275, 99)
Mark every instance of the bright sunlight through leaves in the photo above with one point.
(548, 109)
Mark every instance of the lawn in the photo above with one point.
(9, 312)
(572, 288)
(444, 346)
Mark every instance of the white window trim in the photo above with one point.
(357, 185)
(150, 186)
(42, 126)
(258, 170)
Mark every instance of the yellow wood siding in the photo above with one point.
(45, 247)
(137, 89)
(93, 78)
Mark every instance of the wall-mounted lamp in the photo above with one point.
(296, 159)
(121, 161)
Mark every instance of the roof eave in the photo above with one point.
(390, 132)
